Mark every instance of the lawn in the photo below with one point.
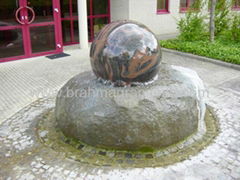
(220, 49)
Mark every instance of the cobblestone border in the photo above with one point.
(23, 157)
(72, 149)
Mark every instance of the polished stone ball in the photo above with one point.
(125, 52)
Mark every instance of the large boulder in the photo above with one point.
(131, 118)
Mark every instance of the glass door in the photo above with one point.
(29, 28)
(43, 26)
(98, 16)
(11, 32)
(69, 16)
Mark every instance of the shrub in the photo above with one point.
(235, 28)
(221, 16)
(232, 34)
(223, 50)
(191, 27)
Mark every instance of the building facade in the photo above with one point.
(30, 28)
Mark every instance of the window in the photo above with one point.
(186, 4)
(236, 4)
(69, 19)
(162, 6)
(98, 16)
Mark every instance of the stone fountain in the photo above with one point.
(131, 101)
(132, 115)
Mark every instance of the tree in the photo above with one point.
(212, 20)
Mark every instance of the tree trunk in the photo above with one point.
(212, 20)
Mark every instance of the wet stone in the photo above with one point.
(99, 157)
(120, 161)
(138, 156)
(67, 141)
(78, 160)
(102, 153)
(128, 161)
(43, 134)
(72, 175)
(80, 146)
(110, 154)
(119, 155)
(128, 155)
(107, 165)
(149, 156)
(93, 151)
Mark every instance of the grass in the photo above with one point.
(227, 51)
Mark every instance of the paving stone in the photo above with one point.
(72, 175)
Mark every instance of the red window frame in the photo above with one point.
(71, 18)
(236, 6)
(25, 31)
(90, 17)
(163, 11)
(184, 9)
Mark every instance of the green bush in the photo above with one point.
(222, 50)
(235, 28)
(221, 17)
(232, 34)
(191, 27)
(193, 36)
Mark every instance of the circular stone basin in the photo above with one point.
(78, 151)
(143, 118)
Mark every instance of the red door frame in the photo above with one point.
(58, 29)
(71, 18)
(26, 32)
(91, 18)
(12, 27)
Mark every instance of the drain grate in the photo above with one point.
(57, 56)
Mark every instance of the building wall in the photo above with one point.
(145, 11)
(119, 9)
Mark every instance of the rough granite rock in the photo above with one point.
(132, 118)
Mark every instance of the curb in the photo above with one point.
(204, 59)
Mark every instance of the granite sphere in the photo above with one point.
(125, 52)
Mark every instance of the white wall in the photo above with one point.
(145, 11)
(119, 10)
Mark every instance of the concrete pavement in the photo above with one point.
(24, 81)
